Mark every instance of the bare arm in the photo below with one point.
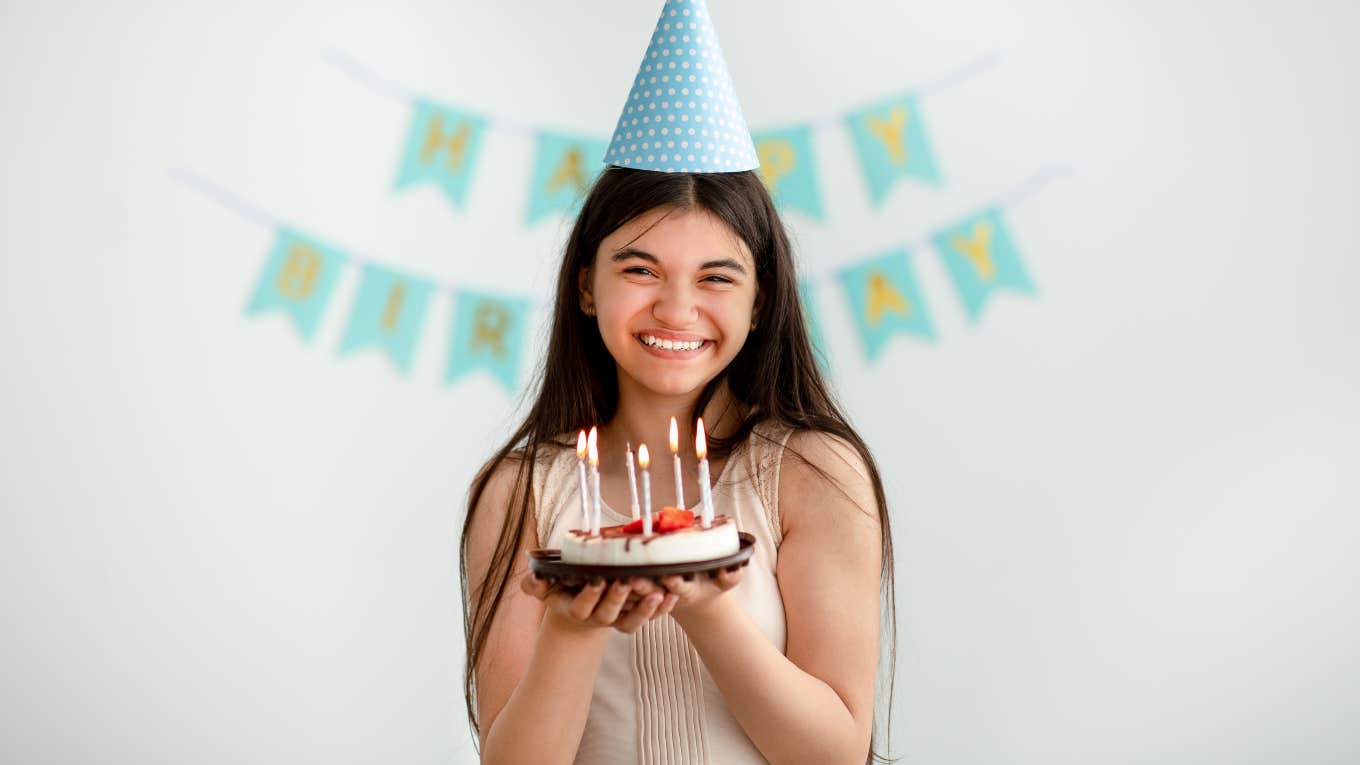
(537, 674)
(813, 704)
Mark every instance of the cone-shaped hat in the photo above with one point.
(682, 114)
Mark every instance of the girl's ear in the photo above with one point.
(583, 287)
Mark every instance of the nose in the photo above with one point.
(675, 305)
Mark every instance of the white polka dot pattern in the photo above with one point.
(682, 114)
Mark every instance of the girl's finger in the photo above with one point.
(729, 579)
(641, 614)
(673, 583)
(667, 604)
(607, 611)
(531, 585)
(584, 603)
(643, 587)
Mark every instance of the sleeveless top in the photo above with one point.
(654, 701)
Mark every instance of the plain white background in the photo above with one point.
(1124, 508)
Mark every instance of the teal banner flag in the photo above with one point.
(814, 324)
(564, 168)
(981, 258)
(890, 140)
(788, 171)
(441, 148)
(885, 300)
(388, 312)
(297, 279)
(488, 333)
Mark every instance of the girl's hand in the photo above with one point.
(624, 605)
(696, 592)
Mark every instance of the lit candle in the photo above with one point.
(643, 461)
(632, 482)
(679, 482)
(701, 451)
(585, 494)
(593, 450)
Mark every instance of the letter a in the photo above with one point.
(568, 171)
(884, 296)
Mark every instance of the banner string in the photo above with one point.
(376, 82)
(223, 197)
(254, 214)
(1009, 199)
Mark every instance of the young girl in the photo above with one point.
(773, 662)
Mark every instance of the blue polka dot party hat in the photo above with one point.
(682, 114)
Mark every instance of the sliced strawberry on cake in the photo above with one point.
(663, 520)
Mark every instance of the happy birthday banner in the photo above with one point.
(301, 271)
(977, 251)
(443, 143)
(300, 274)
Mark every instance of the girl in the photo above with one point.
(774, 662)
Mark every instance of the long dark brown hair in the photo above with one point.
(775, 376)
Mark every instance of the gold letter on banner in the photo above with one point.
(884, 296)
(776, 161)
(392, 311)
(489, 326)
(568, 170)
(978, 248)
(434, 137)
(297, 278)
(892, 132)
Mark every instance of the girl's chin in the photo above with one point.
(672, 383)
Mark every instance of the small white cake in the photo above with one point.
(622, 546)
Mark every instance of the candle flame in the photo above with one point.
(592, 448)
(581, 445)
(675, 437)
(642, 456)
(700, 443)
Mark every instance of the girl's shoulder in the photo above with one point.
(504, 475)
(809, 448)
(819, 469)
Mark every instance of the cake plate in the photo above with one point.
(570, 577)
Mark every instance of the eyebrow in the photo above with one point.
(633, 252)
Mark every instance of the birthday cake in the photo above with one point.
(677, 537)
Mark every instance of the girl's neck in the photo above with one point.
(644, 418)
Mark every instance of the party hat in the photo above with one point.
(682, 114)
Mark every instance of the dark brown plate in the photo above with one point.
(570, 576)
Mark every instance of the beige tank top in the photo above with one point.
(654, 701)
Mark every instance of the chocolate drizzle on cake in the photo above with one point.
(614, 532)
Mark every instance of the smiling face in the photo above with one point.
(674, 294)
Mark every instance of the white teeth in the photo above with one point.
(671, 345)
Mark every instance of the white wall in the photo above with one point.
(1125, 509)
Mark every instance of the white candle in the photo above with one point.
(585, 494)
(632, 482)
(679, 481)
(643, 461)
(592, 447)
(701, 451)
